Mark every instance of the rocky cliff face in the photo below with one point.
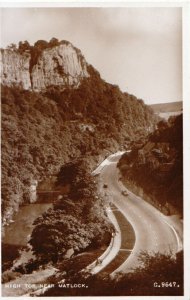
(15, 69)
(61, 65)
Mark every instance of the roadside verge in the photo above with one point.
(111, 251)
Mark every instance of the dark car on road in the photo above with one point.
(124, 193)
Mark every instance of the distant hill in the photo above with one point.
(167, 107)
(166, 110)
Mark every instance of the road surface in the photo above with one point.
(154, 231)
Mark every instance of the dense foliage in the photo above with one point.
(40, 132)
(157, 166)
(57, 232)
(159, 275)
(78, 220)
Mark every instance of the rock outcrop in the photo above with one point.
(61, 65)
(15, 69)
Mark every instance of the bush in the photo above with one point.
(10, 275)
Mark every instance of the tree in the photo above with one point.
(53, 42)
(41, 45)
(162, 125)
(155, 269)
(12, 47)
(55, 233)
(73, 172)
(23, 46)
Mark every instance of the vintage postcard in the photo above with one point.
(94, 118)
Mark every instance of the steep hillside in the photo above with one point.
(56, 119)
(155, 170)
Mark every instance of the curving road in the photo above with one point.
(154, 231)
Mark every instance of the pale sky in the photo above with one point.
(139, 49)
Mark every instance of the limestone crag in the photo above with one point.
(61, 65)
(15, 69)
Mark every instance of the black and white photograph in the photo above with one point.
(92, 185)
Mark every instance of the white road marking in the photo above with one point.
(176, 235)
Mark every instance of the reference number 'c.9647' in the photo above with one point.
(166, 284)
